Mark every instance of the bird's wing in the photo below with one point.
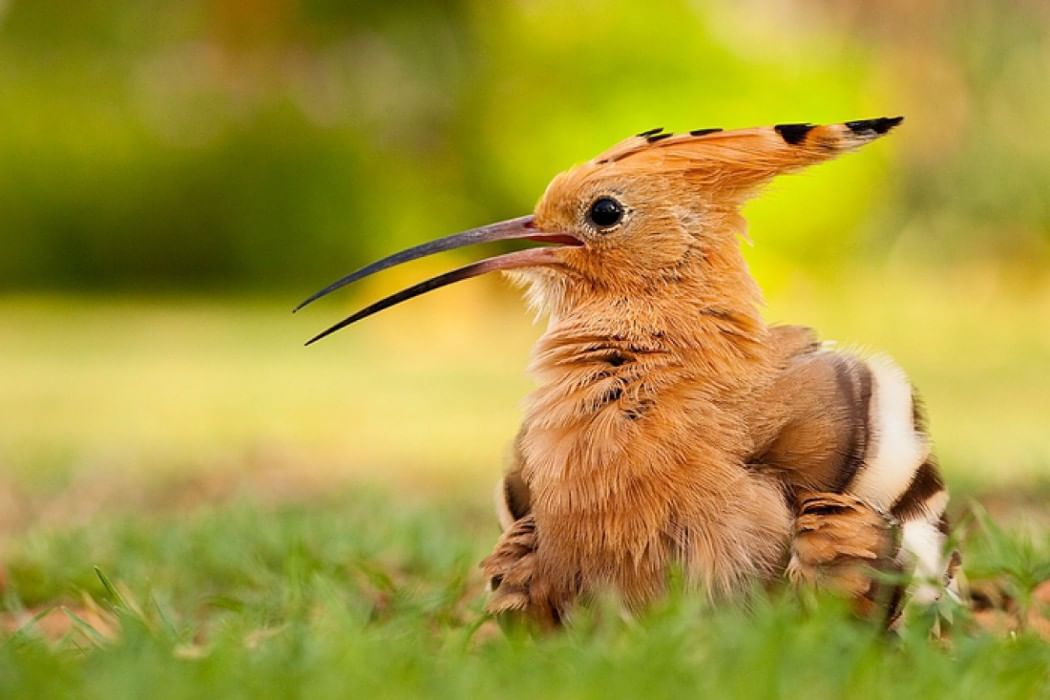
(834, 421)
(513, 500)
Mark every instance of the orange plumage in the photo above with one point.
(671, 425)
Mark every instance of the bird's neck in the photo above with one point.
(708, 336)
(613, 374)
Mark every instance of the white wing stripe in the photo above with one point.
(896, 450)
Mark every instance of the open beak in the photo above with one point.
(521, 227)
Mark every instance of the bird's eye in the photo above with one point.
(605, 212)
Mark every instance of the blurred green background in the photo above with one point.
(176, 174)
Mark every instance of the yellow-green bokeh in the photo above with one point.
(178, 173)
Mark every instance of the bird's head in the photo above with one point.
(656, 211)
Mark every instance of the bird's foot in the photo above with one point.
(841, 544)
(511, 566)
(511, 570)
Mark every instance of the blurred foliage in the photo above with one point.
(257, 143)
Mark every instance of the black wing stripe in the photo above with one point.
(925, 484)
(854, 381)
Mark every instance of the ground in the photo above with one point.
(192, 504)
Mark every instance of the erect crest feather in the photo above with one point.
(744, 157)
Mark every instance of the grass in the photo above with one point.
(192, 504)
(359, 594)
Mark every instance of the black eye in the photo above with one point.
(605, 212)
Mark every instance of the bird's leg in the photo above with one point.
(841, 544)
(516, 591)
(510, 567)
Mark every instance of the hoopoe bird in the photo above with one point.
(671, 426)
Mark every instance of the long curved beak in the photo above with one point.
(521, 227)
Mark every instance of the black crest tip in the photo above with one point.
(650, 132)
(876, 126)
(703, 132)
